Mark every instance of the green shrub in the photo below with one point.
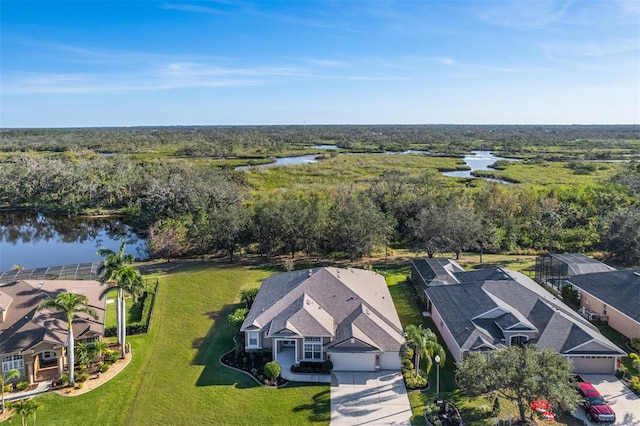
(407, 365)
(110, 331)
(570, 295)
(413, 382)
(81, 377)
(111, 355)
(104, 368)
(22, 386)
(635, 384)
(272, 370)
(7, 388)
(635, 344)
(496, 407)
(64, 379)
(79, 385)
(327, 366)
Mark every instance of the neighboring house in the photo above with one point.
(555, 269)
(495, 308)
(34, 342)
(346, 315)
(614, 296)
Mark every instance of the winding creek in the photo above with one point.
(35, 240)
(477, 160)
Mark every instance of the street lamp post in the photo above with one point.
(437, 359)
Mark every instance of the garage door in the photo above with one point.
(592, 365)
(390, 361)
(353, 361)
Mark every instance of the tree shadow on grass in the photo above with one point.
(319, 408)
(218, 341)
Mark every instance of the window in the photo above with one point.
(253, 337)
(48, 355)
(518, 340)
(90, 340)
(604, 309)
(313, 348)
(13, 362)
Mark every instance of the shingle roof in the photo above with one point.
(437, 271)
(618, 289)
(341, 303)
(469, 310)
(5, 301)
(25, 326)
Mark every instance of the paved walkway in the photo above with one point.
(369, 398)
(286, 359)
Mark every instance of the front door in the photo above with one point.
(48, 359)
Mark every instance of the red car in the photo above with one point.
(594, 404)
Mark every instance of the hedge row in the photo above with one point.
(138, 327)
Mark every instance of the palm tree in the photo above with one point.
(11, 374)
(99, 346)
(70, 304)
(117, 272)
(26, 407)
(425, 345)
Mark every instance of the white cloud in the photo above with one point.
(196, 8)
(590, 49)
(523, 15)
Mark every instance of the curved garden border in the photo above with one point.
(247, 373)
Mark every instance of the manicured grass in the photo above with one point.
(175, 377)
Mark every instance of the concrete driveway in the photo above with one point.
(625, 403)
(369, 398)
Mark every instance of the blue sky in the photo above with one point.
(82, 64)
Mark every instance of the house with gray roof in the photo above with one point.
(497, 308)
(555, 268)
(34, 342)
(614, 296)
(345, 315)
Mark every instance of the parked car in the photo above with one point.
(594, 404)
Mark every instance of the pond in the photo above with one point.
(36, 240)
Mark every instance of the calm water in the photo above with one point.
(327, 147)
(35, 240)
(479, 160)
(284, 161)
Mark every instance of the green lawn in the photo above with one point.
(476, 411)
(175, 377)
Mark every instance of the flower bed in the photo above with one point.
(252, 363)
(443, 412)
(312, 367)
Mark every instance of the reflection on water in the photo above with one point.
(35, 240)
(284, 161)
(327, 147)
(479, 160)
